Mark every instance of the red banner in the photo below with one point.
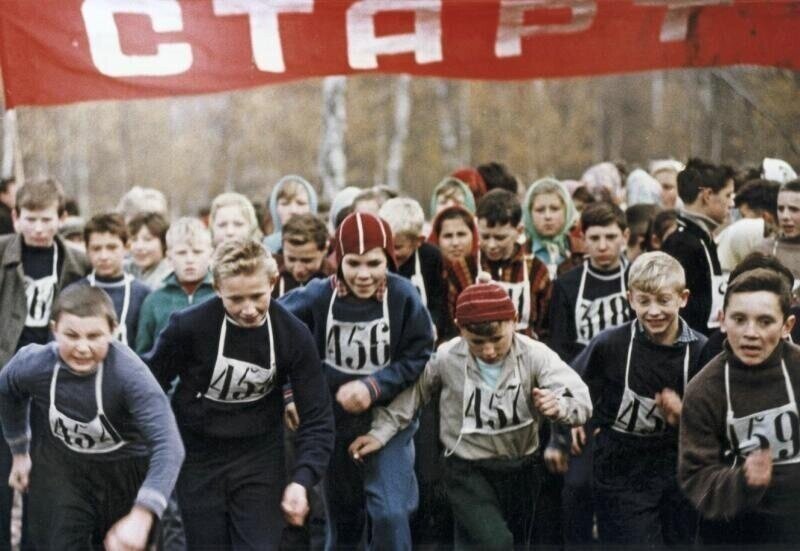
(64, 51)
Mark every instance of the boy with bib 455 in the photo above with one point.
(740, 435)
(637, 373)
(496, 386)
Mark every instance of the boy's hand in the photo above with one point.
(354, 397)
(546, 403)
(130, 532)
(20, 472)
(758, 469)
(670, 403)
(290, 417)
(578, 440)
(363, 446)
(556, 460)
(295, 504)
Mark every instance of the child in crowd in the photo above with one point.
(450, 192)
(102, 473)
(639, 219)
(106, 238)
(304, 247)
(233, 217)
(189, 251)
(548, 214)
(149, 264)
(787, 243)
(523, 276)
(636, 374)
(291, 195)
(232, 354)
(418, 261)
(496, 386)
(36, 265)
(739, 430)
(455, 232)
(375, 336)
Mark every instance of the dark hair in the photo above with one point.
(453, 214)
(71, 207)
(639, 218)
(762, 279)
(756, 260)
(497, 176)
(155, 223)
(111, 222)
(659, 226)
(759, 195)
(499, 207)
(305, 228)
(5, 183)
(602, 213)
(40, 194)
(700, 174)
(344, 213)
(84, 301)
(483, 328)
(793, 186)
(584, 195)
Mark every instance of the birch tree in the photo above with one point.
(402, 113)
(332, 158)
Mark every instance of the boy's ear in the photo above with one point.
(626, 234)
(788, 325)
(684, 298)
(420, 240)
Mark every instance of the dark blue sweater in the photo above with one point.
(187, 348)
(411, 334)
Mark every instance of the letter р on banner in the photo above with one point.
(64, 51)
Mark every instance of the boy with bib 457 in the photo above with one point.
(496, 385)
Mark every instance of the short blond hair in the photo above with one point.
(404, 215)
(233, 199)
(241, 257)
(655, 271)
(188, 230)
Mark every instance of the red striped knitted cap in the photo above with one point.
(360, 232)
(482, 302)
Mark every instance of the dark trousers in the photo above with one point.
(229, 493)
(74, 500)
(577, 507)
(311, 535)
(637, 495)
(493, 501)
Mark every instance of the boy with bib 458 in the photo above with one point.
(496, 386)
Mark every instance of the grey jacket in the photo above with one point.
(12, 287)
(535, 365)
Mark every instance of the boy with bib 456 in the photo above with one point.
(496, 386)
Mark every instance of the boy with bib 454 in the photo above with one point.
(637, 373)
(496, 386)
(740, 435)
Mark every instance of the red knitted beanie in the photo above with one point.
(484, 302)
(360, 232)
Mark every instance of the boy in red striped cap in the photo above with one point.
(495, 387)
(374, 336)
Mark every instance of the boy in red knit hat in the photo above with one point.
(496, 385)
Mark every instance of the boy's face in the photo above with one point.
(455, 239)
(289, 206)
(302, 261)
(246, 297)
(146, 249)
(490, 348)
(190, 261)
(548, 214)
(37, 227)
(363, 273)
(229, 223)
(404, 247)
(82, 342)
(754, 324)
(497, 242)
(789, 213)
(717, 205)
(658, 312)
(669, 188)
(106, 253)
(604, 245)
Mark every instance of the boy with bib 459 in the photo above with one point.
(637, 373)
(496, 386)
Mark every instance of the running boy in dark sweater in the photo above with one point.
(636, 374)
